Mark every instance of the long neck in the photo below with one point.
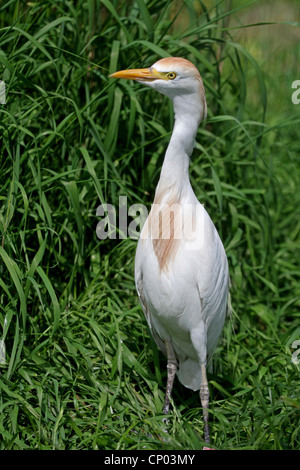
(175, 170)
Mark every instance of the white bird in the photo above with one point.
(181, 269)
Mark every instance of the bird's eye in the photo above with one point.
(171, 75)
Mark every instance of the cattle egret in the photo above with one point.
(181, 269)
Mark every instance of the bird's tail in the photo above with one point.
(189, 374)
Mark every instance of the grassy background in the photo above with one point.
(80, 370)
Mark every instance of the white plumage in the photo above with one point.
(181, 268)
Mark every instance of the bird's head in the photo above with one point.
(174, 77)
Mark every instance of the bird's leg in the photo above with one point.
(204, 397)
(171, 368)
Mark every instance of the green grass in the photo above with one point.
(81, 370)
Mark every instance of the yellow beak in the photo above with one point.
(137, 74)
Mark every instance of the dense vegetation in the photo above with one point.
(80, 369)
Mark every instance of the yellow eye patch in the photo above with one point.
(171, 75)
(163, 75)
